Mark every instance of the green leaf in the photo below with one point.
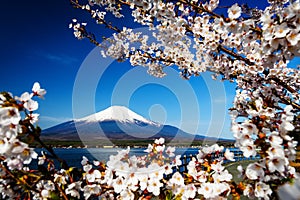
(169, 195)
(54, 196)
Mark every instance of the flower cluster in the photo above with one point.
(250, 47)
(132, 176)
(190, 36)
(208, 175)
(156, 174)
(266, 129)
(14, 152)
(78, 28)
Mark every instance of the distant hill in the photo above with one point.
(116, 123)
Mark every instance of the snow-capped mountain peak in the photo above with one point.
(117, 113)
(116, 123)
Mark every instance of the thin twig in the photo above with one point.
(61, 191)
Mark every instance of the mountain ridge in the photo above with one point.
(116, 123)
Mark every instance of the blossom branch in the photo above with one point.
(35, 132)
(200, 9)
(101, 21)
(65, 197)
(18, 180)
(63, 163)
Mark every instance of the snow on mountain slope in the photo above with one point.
(117, 113)
(115, 122)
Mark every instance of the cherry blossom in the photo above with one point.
(262, 190)
(255, 171)
(38, 91)
(234, 11)
(126, 194)
(93, 175)
(189, 191)
(154, 186)
(73, 189)
(24, 97)
(159, 141)
(222, 176)
(45, 188)
(9, 115)
(229, 155)
(89, 190)
(207, 190)
(170, 151)
(119, 184)
(33, 117)
(277, 164)
(177, 179)
(252, 49)
(31, 105)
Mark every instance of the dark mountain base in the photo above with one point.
(132, 142)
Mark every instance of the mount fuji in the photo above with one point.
(115, 122)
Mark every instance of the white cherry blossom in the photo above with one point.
(234, 11)
(119, 184)
(89, 190)
(177, 179)
(170, 151)
(189, 191)
(154, 186)
(255, 171)
(262, 190)
(252, 48)
(229, 155)
(24, 97)
(277, 164)
(207, 190)
(31, 105)
(159, 141)
(9, 115)
(73, 189)
(38, 91)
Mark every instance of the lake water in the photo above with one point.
(73, 156)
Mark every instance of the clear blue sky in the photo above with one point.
(37, 45)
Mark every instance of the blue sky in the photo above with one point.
(37, 45)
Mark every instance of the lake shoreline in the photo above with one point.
(130, 143)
